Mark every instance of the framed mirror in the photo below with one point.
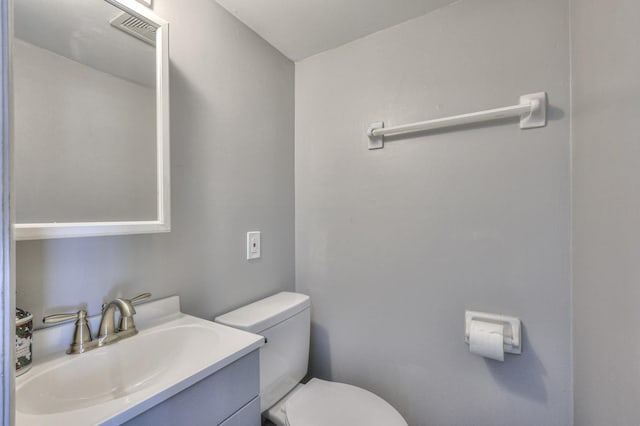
(91, 119)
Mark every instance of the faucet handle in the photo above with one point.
(140, 298)
(127, 325)
(82, 340)
(56, 318)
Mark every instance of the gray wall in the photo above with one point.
(232, 172)
(606, 206)
(394, 245)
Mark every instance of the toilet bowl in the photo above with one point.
(322, 403)
(285, 319)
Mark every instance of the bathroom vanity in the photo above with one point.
(176, 367)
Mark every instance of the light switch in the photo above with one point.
(253, 245)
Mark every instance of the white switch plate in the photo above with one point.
(253, 245)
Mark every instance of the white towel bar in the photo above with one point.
(532, 111)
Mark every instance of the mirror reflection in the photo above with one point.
(85, 113)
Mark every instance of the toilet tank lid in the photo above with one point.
(266, 313)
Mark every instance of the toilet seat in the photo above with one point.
(322, 403)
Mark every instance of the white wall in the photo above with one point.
(84, 142)
(606, 208)
(394, 245)
(232, 172)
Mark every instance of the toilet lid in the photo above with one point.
(322, 403)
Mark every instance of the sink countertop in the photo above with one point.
(210, 348)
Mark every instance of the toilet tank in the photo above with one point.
(284, 319)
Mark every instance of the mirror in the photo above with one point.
(91, 119)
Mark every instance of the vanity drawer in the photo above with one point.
(249, 415)
(211, 401)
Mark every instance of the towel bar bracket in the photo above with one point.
(375, 142)
(538, 115)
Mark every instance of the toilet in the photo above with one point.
(284, 320)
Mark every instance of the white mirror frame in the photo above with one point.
(38, 231)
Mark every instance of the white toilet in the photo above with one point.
(284, 320)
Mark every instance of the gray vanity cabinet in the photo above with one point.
(229, 397)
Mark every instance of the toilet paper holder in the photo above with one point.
(511, 329)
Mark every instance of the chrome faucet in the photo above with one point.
(107, 333)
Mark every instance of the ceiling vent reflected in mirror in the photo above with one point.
(136, 27)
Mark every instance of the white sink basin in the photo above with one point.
(117, 382)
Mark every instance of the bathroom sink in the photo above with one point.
(117, 371)
(117, 382)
